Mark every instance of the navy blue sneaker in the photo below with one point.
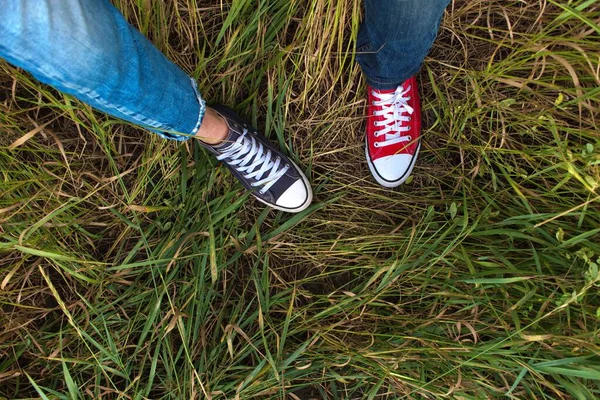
(270, 175)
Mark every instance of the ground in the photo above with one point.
(136, 268)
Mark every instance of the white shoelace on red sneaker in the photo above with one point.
(394, 106)
(240, 155)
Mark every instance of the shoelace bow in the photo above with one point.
(248, 157)
(394, 106)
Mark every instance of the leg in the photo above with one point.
(395, 37)
(87, 49)
(392, 44)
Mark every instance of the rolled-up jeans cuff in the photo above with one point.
(389, 85)
(201, 111)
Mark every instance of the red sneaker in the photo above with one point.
(393, 132)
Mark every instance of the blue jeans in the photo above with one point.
(395, 37)
(87, 49)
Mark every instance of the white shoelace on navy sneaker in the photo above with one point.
(394, 106)
(248, 157)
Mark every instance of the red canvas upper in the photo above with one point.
(407, 147)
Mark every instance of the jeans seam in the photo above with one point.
(376, 82)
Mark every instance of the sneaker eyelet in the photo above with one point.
(375, 144)
(409, 138)
(409, 119)
(409, 127)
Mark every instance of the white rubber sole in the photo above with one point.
(391, 184)
(304, 206)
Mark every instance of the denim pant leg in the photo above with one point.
(395, 37)
(87, 49)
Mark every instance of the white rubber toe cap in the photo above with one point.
(296, 197)
(392, 171)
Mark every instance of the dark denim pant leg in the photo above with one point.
(395, 37)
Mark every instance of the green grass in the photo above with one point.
(133, 268)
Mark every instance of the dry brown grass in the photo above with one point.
(133, 268)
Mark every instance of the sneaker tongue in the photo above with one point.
(232, 136)
(235, 131)
(394, 133)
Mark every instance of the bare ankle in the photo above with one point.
(214, 129)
